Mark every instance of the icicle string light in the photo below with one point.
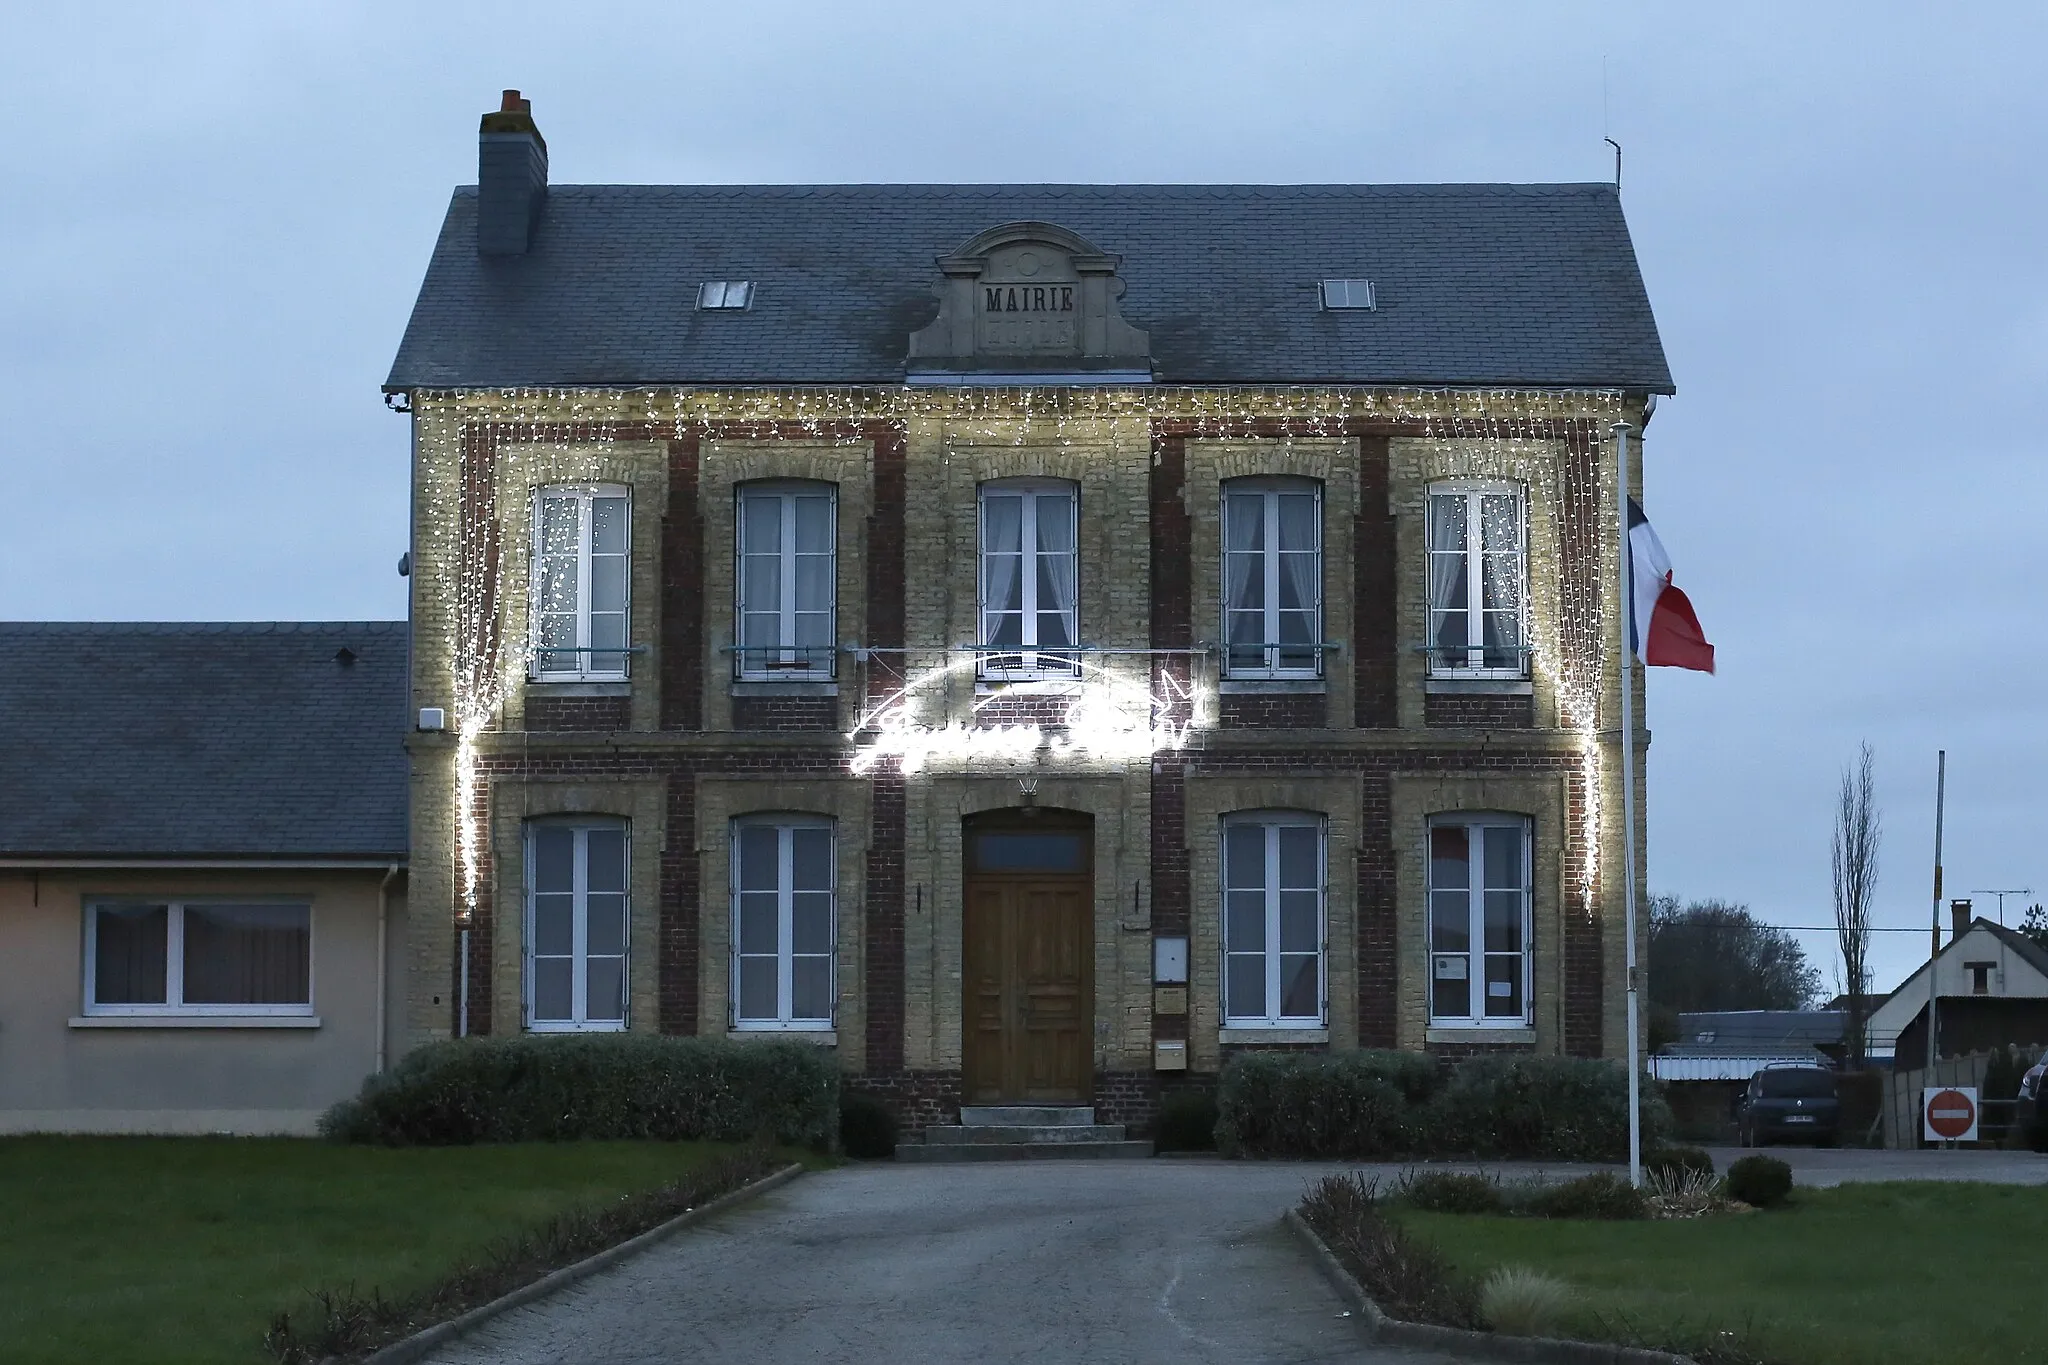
(458, 433)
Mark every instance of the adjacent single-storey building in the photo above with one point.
(202, 872)
(1035, 640)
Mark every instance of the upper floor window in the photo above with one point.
(1272, 578)
(1479, 958)
(1477, 581)
(576, 925)
(1030, 620)
(581, 560)
(783, 916)
(1273, 919)
(198, 957)
(786, 580)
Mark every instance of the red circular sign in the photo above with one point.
(1950, 1113)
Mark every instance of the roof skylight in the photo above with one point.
(725, 294)
(1347, 294)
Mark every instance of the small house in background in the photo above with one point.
(202, 872)
(1992, 984)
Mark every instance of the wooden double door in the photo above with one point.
(1028, 933)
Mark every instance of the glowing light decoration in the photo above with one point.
(1109, 718)
(1112, 717)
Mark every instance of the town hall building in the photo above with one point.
(1034, 640)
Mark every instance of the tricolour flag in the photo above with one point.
(1661, 628)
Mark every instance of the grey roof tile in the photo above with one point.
(1477, 284)
(178, 739)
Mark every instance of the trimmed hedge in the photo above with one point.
(1762, 1181)
(867, 1126)
(1374, 1105)
(536, 1088)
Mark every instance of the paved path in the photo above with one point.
(1174, 1262)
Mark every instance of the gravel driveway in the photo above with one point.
(1129, 1261)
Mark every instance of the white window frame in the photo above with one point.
(793, 662)
(584, 671)
(579, 920)
(785, 939)
(1272, 822)
(1267, 490)
(1475, 553)
(1476, 953)
(174, 958)
(1031, 665)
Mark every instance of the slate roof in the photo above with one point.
(192, 739)
(1512, 285)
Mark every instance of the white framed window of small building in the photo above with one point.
(578, 915)
(1272, 578)
(784, 923)
(1478, 580)
(1481, 965)
(1274, 890)
(785, 585)
(582, 582)
(198, 957)
(1029, 605)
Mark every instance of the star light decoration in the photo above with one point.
(1113, 718)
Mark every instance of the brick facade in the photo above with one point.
(1372, 749)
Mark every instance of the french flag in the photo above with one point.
(1661, 626)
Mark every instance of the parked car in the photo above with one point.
(1789, 1103)
(2032, 1113)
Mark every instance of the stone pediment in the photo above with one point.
(1028, 297)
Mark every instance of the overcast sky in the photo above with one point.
(216, 216)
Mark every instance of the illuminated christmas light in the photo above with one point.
(1113, 717)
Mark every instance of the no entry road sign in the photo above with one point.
(1950, 1113)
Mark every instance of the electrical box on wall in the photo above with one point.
(1170, 961)
(1170, 1054)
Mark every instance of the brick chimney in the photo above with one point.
(511, 178)
(1959, 918)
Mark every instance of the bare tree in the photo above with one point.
(1858, 829)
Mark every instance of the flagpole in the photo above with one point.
(1628, 794)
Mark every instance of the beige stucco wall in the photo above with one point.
(154, 1077)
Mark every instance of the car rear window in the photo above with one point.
(1802, 1084)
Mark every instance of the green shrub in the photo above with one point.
(1763, 1181)
(1672, 1160)
(536, 1088)
(867, 1126)
(1344, 1104)
(1556, 1108)
(1602, 1194)
(1452, 1192)
(1187, 1122)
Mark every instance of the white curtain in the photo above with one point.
(1001, 543)
(1056, 562)
(1447, 558)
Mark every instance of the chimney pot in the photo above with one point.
(1959, 919)
(512, 104)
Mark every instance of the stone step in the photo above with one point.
(1020, 1151)
(1023, 1132)
(1026, 1115)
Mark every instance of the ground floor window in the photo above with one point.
(1479, 959)
(576, 918)
(198, 957)
(783, 918)
(1273, 920)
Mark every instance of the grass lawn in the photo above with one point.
(176, 1250)
(1906, 1274)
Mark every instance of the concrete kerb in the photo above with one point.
(1460, 1341)
(420, 1344)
